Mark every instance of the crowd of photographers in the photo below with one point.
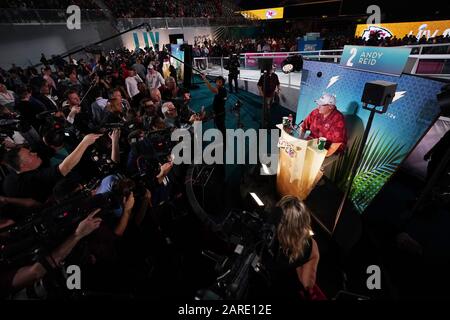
(74, 131)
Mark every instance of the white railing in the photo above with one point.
(251, 71)
(439, 54)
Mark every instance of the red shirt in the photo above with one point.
(332, 127)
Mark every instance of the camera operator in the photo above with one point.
(29, 108)
(14, 208)
(72, 83)
(45, 97)
(30, 180)
(47, 76)
(116, 80)
(131, 83)
(54, 139)
(114, 112)
(76, 115)
(117, 93)
(10, 137)
(143, 94)
(147, 111)
(15, 279)
(98, 107)
(170, 90)
(155, 95)
(269, 87)
(7, 97)
(170, 115)
(220, 98)
(102, 84)
(233, 66)
(186, 114)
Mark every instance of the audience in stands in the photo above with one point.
(48, 4)
(223, 48)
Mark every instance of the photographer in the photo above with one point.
(220, 98)
(117, 93)
(132, 82)
(45, 97)
(114, 112)
(10, 137)
(269, 87)
(54, 139)
(14, 208)
(170, 90)
(76, 115)
(29, 108)
(147, 111)
(186, 114)
(15, 279)
(170, 115)
(30, 180)
(98, 107)
(123, 210)
(155, 95)
(7, 97)
(233, 66)
(143, 94)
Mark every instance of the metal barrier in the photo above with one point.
(429, 60)
(250, 68)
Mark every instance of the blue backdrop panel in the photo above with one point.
(392, 135)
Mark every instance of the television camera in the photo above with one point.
(250, 236)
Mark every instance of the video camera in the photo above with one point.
(10, 123)
(31, 238)
(250, 235)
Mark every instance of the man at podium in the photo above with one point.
(326, 121)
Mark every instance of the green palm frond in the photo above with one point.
(342, 167)
(381, 157)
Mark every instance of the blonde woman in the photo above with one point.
(295, 255)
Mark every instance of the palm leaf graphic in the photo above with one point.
(381, 157)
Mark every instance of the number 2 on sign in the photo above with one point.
(353, 52)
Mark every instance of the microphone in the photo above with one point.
(297, 126)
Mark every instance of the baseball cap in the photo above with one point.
(150, 66)
(326, 98)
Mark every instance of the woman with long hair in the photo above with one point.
(295, 255)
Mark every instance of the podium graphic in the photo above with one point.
(299, 165)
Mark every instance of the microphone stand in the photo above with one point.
(92, 85)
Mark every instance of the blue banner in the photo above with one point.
(309, 45)
(383, 60)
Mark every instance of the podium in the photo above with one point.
(299, 165)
